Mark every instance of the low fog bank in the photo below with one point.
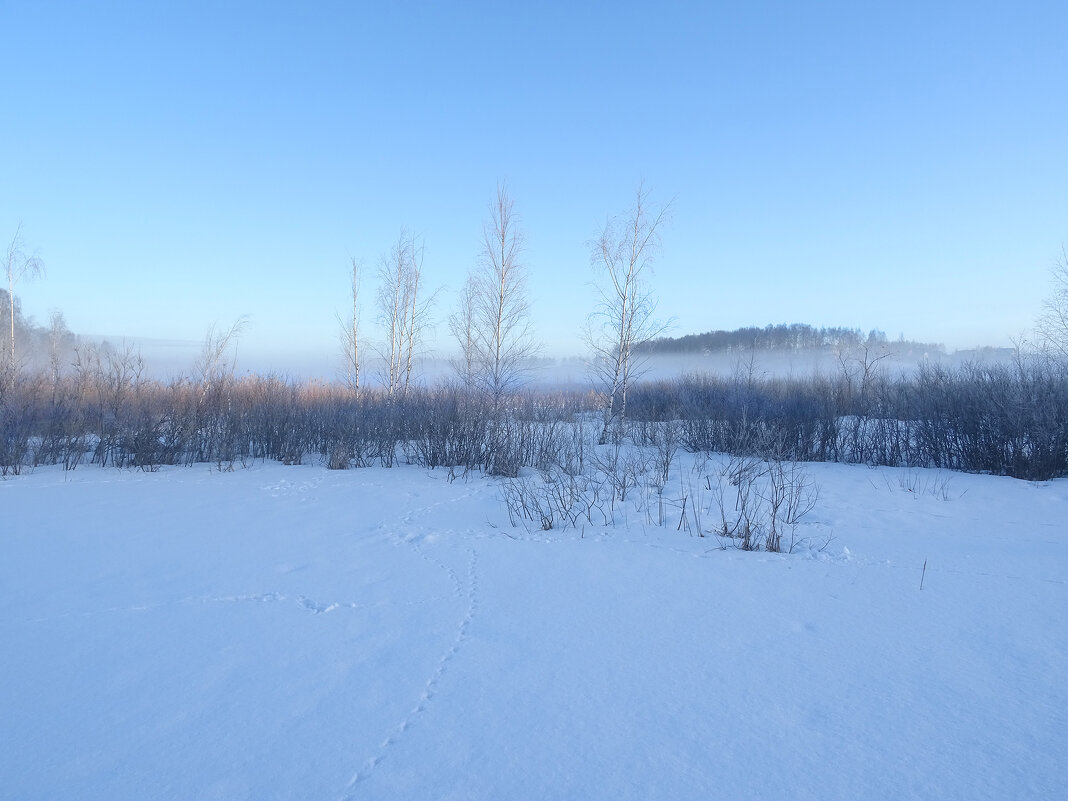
(775, 351)
(761, 364)
(573, 372)
(171, 359)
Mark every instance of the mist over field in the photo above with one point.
(170, 359)
(166, 359)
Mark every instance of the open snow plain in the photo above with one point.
(296, 633)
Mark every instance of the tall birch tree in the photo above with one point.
(492, 323)
(18, 265)
(403, 311)
(622, 258)
(350, 333)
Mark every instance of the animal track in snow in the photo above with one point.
(287, 488)
(311, 605)
(308, 604)
(431, 687)
(413, 540)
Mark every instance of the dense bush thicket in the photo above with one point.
(109, 415)
(1008, 420)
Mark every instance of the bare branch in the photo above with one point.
(211, 367)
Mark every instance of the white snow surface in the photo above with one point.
(297, 633)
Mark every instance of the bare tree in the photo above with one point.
(462, 324)
(1053, 324)
(402, 311)
(493, 321)
(19, 265)
(212, 368)
(58, 336)
(623, 319)
(350, 334)
(213, 374)
(861, 367)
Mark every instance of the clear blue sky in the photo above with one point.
(901, 166)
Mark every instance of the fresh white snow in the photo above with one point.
(296, 633)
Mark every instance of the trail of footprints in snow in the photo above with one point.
(430, 689)
(413, 541)
(315, 607)
(304, 602)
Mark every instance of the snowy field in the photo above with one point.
(296, 633)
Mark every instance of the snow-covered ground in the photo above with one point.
(295, 633)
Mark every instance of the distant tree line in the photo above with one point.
(788, 337)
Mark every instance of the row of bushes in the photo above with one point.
(116, 418)
(1008, 420)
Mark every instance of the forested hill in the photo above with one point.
(789, 337)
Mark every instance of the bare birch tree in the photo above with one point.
(493, 321)
(19, 265)
(402, 311)
(350, 334)
(1053, 324)
(58, 337)
(462, 325)
(624, 317)
(213, 373)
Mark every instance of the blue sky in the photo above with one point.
(899, 166)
